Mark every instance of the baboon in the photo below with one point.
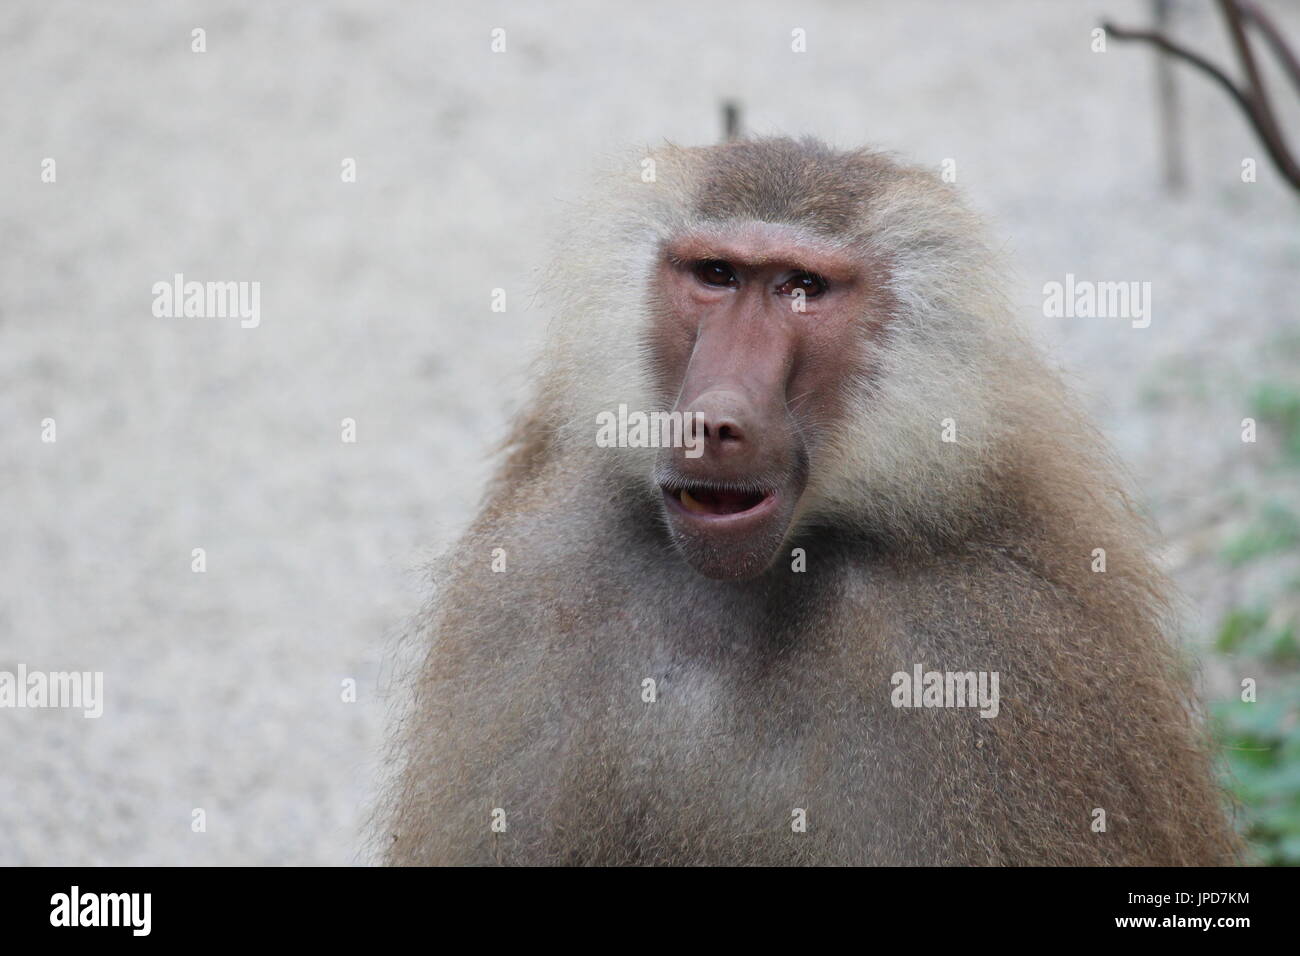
(638, 656)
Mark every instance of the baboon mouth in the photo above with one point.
(728, 529)
(704, 502)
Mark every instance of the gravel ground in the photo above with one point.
(223, 688)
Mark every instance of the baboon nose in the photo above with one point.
(723, 432)
(720, 421)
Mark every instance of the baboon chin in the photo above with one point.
(762, 639)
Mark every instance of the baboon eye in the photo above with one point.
(715, 272)
(812, 284)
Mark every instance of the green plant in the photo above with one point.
(1279, 406)
(1262, 747)
(1261, 737)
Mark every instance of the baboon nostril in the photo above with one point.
(729, 432)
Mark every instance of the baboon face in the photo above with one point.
(759, 329)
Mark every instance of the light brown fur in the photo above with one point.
(774, 693)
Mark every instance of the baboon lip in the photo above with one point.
(709, 503)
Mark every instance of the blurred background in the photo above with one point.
(225, 690)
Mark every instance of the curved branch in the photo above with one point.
(1264, 23)
(1265, 120)
(1182, 53)
(1253, 100)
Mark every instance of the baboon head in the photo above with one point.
(822, 316)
